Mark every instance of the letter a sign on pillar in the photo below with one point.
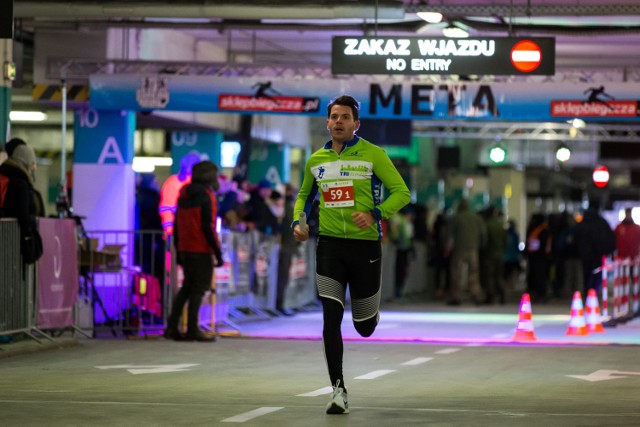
(103, 180)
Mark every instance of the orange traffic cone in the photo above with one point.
(524, 330)
(592, 312)
(577, 324)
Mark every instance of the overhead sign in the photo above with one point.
(380, 98)
(420, 55)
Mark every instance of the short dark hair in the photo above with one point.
(347, 101)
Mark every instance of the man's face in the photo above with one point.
(341, 124)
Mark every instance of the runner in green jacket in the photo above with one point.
(348, 173)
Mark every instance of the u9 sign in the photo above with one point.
(415, 55)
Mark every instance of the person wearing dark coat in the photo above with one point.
(19, 198)
(197, 243)
(594, 239)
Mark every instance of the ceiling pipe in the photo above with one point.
(201, 9)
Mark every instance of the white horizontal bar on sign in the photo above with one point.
(418, 361)
(375, 374)
(241, 418)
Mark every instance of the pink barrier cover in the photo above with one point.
(57, 273)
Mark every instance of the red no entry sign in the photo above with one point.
(526, 56)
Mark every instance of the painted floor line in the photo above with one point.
(241, 418)
(447, 350)
(375, 374)
(417, 361)
(318, 392)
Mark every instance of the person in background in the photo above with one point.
(196, 242)
(467, 235)
(38, 200)
(512, 257)
(149, 252)
(538, 251)
(401, 232)
(440, 257)
(494, 269)
(348, 173)
(18, 198)
(595, 239)
(288, 248)
(628, 237)
(170, 191)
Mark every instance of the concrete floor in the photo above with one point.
(425, 366)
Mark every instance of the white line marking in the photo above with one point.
(418, 361)
(375, 374)
(447, 351)
(318, 392)
(500, 336)
(241, 418)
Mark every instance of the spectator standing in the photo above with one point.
(440, 258)
(149, 246)
(170, 191)
(512, 257)
(196, 240)
(538, 250)
(467, 234)
(401, 232)
(594, 239)
(494, 269)
(627, 237)
(20, 199)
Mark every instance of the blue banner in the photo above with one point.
(386, 99)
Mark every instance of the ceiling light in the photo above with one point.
(577, 123)
(453, 31)
(430, 17)
(27, 116)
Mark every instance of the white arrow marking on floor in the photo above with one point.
(151, 369)
(603, 375)
(447, 351)
(418, 361)
(375, 374)
(318, 392)
(240, 418)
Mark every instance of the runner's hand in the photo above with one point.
(299, 234)
(363, 219)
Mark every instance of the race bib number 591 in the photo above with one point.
(337, 194)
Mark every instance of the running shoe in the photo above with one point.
(338, 403)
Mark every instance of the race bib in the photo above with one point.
(337, 194)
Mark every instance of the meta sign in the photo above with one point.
(417, 55)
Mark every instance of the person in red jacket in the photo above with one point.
(628, 237)
(196, 242)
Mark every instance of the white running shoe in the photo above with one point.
(338, 403)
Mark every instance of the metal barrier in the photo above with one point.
(15, 294)
(38, 297)
(622, 276)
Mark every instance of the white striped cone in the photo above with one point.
(524, 330)
(592, 312)
(577, 323)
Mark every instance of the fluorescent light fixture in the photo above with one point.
(430, 17)
(148, 164)
(453, 31)
(229, 151)
(27, 116)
